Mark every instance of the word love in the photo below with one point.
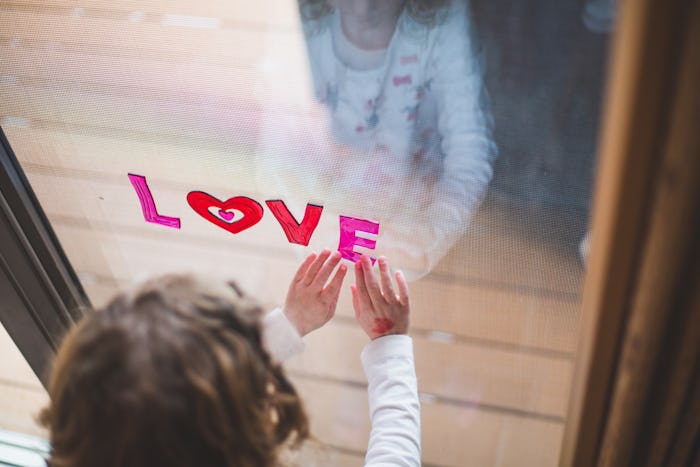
(241, 213)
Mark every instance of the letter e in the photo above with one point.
(349, 226)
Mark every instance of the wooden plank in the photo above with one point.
(114, 34)
(13, 367)
(148, 57)
(100, 293)
(105, 161)
(317, 454)
(492, 378)
(451, 436)
(19, 407)
(519, 244)
(21, 393)
(498, 315)
(222, 117)
(175, 76)
(278, 13)
(136, 76)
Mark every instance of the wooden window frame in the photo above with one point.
(640, 301)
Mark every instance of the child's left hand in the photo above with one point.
(310, 302)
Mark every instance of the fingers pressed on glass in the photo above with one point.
(304, 266)
(361, 286)
(327, 268)
(333, 287)
(316, 266)
(385, 276)
(355, 301)
(403, 288)
(371, 281)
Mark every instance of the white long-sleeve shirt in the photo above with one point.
(392, 390)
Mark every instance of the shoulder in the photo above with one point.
(454, 19)
(448, 21)
(314, 21)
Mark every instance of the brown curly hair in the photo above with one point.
(172, 374)
(423, 11)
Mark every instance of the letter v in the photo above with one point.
(296, 232)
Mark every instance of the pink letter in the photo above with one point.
(148, 206)
(349, 226)
(296, 232)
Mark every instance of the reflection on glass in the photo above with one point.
(403, 136)
(298, 103)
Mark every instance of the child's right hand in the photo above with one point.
(378, 309)
(310, 301)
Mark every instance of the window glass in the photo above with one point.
(455, 138)
(21, 393)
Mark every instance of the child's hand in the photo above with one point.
(379, 310)
(310, 302)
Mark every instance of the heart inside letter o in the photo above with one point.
(202, 202)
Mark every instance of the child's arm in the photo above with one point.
(464, 120)
(388, 363)
(311, 302)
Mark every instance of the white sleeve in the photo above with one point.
(393, 402)
(280, 337)
(464, 118)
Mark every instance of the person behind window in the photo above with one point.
(183, 372)
(408, 139)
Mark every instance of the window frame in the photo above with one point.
(41, 294)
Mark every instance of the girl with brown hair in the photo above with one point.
(183, 372)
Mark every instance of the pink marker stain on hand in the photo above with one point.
(382, 325)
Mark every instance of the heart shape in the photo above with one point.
(226, 215)
(252, 211)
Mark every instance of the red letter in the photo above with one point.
(296, 232)
(349, 226)
(148, 206)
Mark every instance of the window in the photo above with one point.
(458, 142)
